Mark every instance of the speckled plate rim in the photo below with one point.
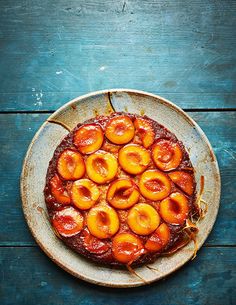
(163, 101)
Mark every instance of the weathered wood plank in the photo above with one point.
(19, 129)
(29, 277)
(55, 50)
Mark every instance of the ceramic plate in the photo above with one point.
(50, 135)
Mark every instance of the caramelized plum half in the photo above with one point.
(145, 131)
(127, 248)
(84, 194)
(134, 159)
(143, 219)
(58, 191)
(70, 165)
(167, 155)
(159, 239)
(102, 221)
(120, 130)
(88, 138)
(174, 209)
(183, 180)
(101, 166)
(122, 193)
(154, 185)
(94, 244)
(68, 222)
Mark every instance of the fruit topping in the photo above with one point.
(183, 180)
(68, 222)
(88, 138)
(70, 165)
(122, 193)
(167, 155)
(174, 209)
(145, 131)
(58, 191)
(120, 130)
(101, 166)
(121, 189)
(102, 221)
(127, 248)
(134, 159)
(159, 239)
(94, 244)
(154, 185)
(84, 194)
(143, 219)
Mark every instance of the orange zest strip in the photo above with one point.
(60, 123)
(131, 270)
(192, 236)
(191, 231)
(202, 210)
(153, 269)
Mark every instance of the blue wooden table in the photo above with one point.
(52, 51)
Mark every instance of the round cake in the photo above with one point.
(120, 190)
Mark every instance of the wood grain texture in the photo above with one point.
(53, 51)
(29, 277)
(18, 131)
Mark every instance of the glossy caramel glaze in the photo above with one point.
(101, 250)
